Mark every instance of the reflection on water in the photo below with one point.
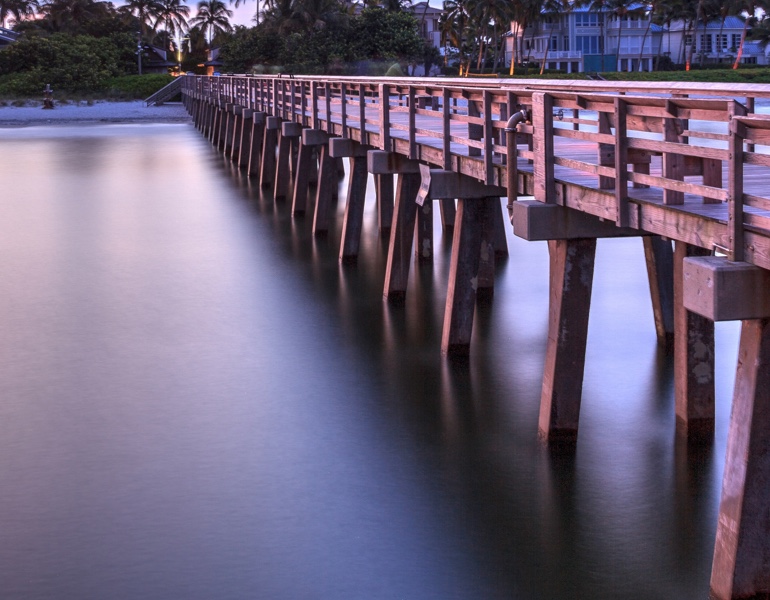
(199, 401)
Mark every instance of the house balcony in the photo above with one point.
(555, 55)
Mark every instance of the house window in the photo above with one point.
(588, 19)
(749, 60)
(588, 44)
(688, 40)
(721, 42)
(736, 41)
(566, 42)
(705, 43)
(554, 43)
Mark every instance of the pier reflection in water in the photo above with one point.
(198, 401)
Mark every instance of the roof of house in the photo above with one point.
(7, 36)
(420, 8)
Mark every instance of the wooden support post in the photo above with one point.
(302, 179)
(499, 240)
(693, 358)
(401, 235)
(327, 182)
(354, 208)
(472, 215)
(383, 183)
(423, 233)
(741, 566)
(226, 133)
(289, 133)
(571, 280)
(267, 172)
(234, 147)
(257, 140)
(244, 145)
(659, 256)
(448, 213)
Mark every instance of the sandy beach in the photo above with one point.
(98, 112)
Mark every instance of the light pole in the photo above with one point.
(139, 50)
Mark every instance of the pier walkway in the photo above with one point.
(683, 166)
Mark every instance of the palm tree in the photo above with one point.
(620, 9)
(173, 14)
(454, 25)
(750, 7)
(214, 16)
(18, 9)
(312, 15)
(145, 11)
(68, 16)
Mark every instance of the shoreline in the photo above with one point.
(98, 112)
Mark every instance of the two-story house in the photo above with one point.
(583, 39)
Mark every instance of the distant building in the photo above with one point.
(427, 17)
(718, 41)
(579, 40)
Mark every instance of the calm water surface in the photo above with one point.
(197, 401)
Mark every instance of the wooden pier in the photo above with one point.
(685, 167)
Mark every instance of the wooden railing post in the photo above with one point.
(542, 122)
(735, 183)
(489, 170)
(385, 117)
(412, 123)
(621, 164)
(446, 129)
(672, 163)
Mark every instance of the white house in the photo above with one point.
(718, 41)
(579, 40)
(427, 17)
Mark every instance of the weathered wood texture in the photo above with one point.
(741, 567)
(571, 282)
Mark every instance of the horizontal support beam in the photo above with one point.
(259, 117)
(535, 221)
(291, 129)
(380, 162)
(273, 123)
(345, 147)
(721, 290)
(314, 137)
(438, 184)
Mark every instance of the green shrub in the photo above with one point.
(136, 87)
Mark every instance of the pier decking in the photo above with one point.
(684, 166)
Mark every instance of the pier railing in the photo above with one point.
(683, 151)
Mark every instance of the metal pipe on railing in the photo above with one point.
(512, 153)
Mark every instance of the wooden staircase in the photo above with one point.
(165, 93)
